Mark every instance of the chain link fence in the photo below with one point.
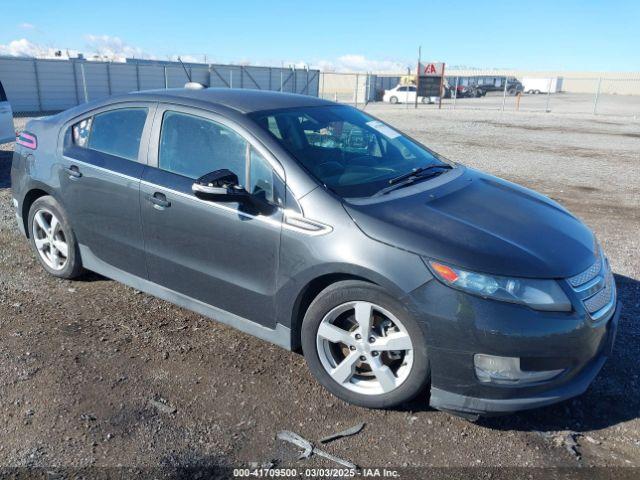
(39, 85)
(563, 95)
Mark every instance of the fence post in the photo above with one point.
(322, 91)
(455, 92)
(84, 83)
(109, 77)
(355, 96)
(138, 76)
(595, 101)
(230, 78)
(166, 78)
(546, 108)
(504, 93)
(75, 81)
(294, 76)
(35, 71)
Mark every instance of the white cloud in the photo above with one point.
(27, 26)
(25, 48)
(105, 47)
(360, 63)
(186, 58)
(99, 47)
(108, 48)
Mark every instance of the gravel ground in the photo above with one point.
(96, 373)
(573, 103)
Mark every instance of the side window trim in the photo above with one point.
(145, 138)
(154, 136)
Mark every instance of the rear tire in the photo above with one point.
(52, 239)
(347, 336)
(393, 100)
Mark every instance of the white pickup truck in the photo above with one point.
(7, 133)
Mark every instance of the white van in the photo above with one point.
(7, 132)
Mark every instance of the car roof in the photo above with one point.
(243, 100)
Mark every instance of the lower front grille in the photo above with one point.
(602, 298)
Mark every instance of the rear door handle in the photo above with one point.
(73, 171)
(159, 200)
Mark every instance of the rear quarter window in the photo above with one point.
(3, 95)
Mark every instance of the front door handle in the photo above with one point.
(73, 171)
(159, 200)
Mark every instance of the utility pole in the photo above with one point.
(418, 76)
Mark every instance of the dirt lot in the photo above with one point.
(81, 363)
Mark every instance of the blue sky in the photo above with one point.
(365, 35)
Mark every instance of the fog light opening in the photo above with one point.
(506, 371)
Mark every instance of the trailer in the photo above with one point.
(542, 85)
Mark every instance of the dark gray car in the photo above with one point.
(318, 227)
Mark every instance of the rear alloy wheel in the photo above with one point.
(52, 239)
(362, 346)
(49, 239)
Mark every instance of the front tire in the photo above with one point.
(52, 239)
(363, 345)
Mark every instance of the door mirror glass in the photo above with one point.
(219, 186)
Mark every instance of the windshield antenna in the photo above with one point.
(186, 72)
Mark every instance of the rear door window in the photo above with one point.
(117, 132)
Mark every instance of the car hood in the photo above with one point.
(479, 222)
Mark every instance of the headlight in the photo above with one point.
(538, 294)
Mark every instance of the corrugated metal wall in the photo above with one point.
(39, 85)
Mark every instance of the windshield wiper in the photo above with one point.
(416, 172)
(410, 177)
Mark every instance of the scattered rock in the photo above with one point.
(162, 406)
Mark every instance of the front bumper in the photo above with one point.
(458, 325)
(577, 385)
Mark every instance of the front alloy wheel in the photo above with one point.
(363, 346)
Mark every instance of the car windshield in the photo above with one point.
(350, 152)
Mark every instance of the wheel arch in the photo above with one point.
(307, 294)
(37, 191)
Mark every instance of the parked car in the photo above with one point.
(469, 91)
(7, 132)
(405, 94)
(317, 227)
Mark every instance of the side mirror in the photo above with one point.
(219, 186)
